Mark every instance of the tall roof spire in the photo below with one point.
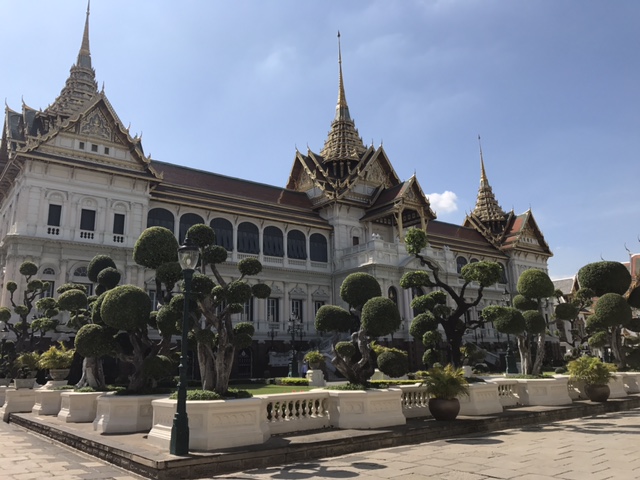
(487, 207)
(81, 85)
(343, 142)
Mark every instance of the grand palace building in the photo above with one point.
(74, 183)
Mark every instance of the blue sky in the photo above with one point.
(552, 87)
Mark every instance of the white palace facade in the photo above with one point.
(74, 183)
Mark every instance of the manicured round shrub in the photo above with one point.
(331, 318)
(260, 290)
(201, 235)
(599, 339)
(155, 246)
(421, 324)
(346, 350)
(380, 316)
(242, 340)
(5, 314)
(201, 284)
(429, 357)
(246, 328)
(72, 300)
(97, 264)
(535, 284)
(567, 311)
(613, 309)
(214, 254)
(485, 273)
(523, 303)
(512, 321)
(167, 320)
(249, 266)
(71, 286)
(96, 317)
(417, 278)
(109, 278)
(359, 287)
(94, 341)
(21, 310)
(12, 286)
(234, 308)
(238, 292)
(595, 324)
(35, 285)
(169, 273)
(535, 321)
(393, 362)
(126, 307)
(432, 338)
(158, 367)
(422, 303)
(634, 298)
(28, 269)
(605, 277)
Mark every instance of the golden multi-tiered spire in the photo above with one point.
(343, 142)
(81, 85)
(487, 208)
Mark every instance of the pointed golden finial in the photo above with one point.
(483, 174)
(84, 56)
(342, 110)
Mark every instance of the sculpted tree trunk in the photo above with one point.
(540, 353)
(525, 354)
(92, 374)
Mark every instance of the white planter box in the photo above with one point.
(482, 400)
(631, 381)
(616, 385)
(316, 378)
(366, 409)
(125, 413)
(544, 391)
(3, 393)
(18, 401)
(213, 424)
(78, 407)
(507, 390)
(47, 402)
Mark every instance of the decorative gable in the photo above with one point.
(95, 124)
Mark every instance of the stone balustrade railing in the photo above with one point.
(294, 412)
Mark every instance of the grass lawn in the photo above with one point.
(271, 389)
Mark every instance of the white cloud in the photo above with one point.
(443, 202)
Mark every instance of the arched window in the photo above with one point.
(473, 260)
(460, 262)
(224, 233)
(160, 217)
(273, 242)
(393, 295)
(80, 275)
(187, 221)
(248, 238)
(296, 245)
(48, 271)
(318, 246)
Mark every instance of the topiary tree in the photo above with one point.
(452, 319)
(369, 316)
(31, 289)
(612, 312)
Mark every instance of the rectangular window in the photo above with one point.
(94, 147)
(106, 150)
(152, 296)
(88, 220)
(247, 311)
(81, 145)
(273, 309)
(118, 224)
(356, 241)
(296, 309)
(55, 213)
(316, 306)
(50, 291)
(88, 286)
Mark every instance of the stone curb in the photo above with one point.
(132, 453)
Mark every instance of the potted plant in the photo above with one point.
(27, 366)
(444, 386)
(57, 360)
(5, 370)
(315, 359)
(595, 374)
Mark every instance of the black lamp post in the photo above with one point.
(188, 255)
(273, 333)
(295, 329)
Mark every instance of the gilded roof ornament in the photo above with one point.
(487, 208)
(343, 142)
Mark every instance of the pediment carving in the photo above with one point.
(95, 124)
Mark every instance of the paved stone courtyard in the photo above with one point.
(598, 448)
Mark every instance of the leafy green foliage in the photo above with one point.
(358, 288)
(5, 314)
(94, 341)
(126, 307)
(591, 370)
(448, 382)
(98, 264)
(566, 311)
(605, 277)
(109, 277)
(249, 266)
(201, 284)
(201, 235)
(293, 381)
(634, 298)
(28, 269)
(421, 324)
(508, 320)
(169, 273)
(599, 339)
(415, 241)
(417, 278)
(612, 309)
(485, 273)
(214, 254)
(535, 284)
(72, 300)
(380, 316)
(155, 246)
(260, 290)
(167, 320)
(56, 357)
(393, 362)
(331, 318)
(535, 321)
(238, 292)
(158, 367)
(432, 338)
(346, 350)
(523, 303)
